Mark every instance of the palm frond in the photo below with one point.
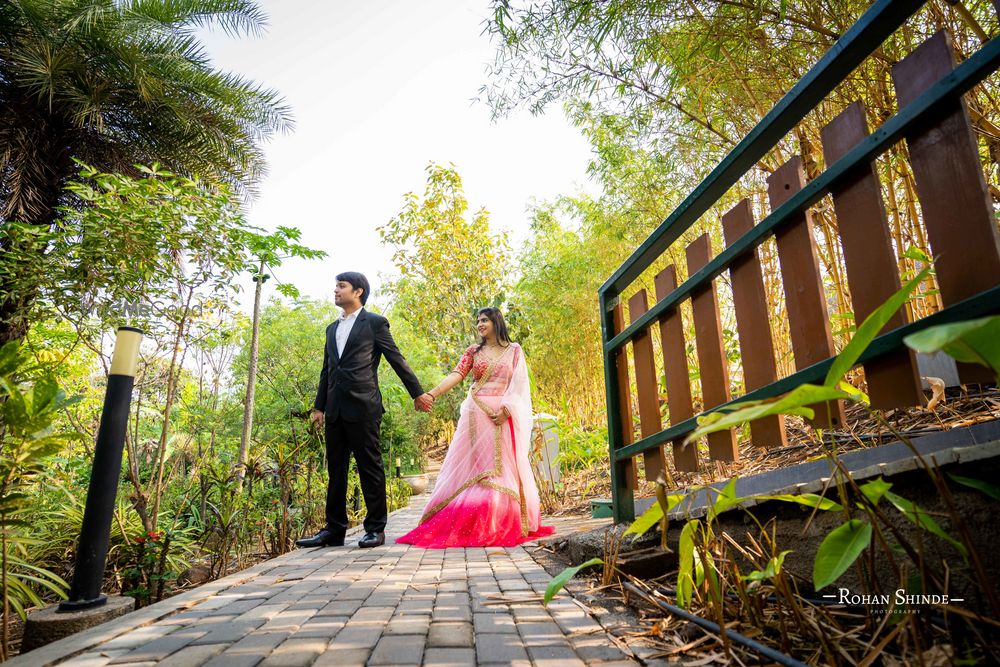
(234, 17)
(120, 83)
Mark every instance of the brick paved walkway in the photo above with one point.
(393, 605)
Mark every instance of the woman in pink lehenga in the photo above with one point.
(485, 494)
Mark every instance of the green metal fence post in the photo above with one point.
(622, 498)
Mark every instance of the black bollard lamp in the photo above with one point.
(95, 533)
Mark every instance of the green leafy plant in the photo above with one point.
(449, 262)
(696, 565)
(29, 402)
(267, 252)
(992, 490)
(772, 570)
(842, 546)
(116, 84)
(656, 513)
(154, 563)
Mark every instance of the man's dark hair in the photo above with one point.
(358, 281)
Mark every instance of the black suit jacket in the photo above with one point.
(348, 385)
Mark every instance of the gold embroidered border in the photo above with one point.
(473, 391)
(524, 507)
(428, 513)
(490, 484)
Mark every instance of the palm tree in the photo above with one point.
(115, 83)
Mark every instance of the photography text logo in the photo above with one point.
(899, 602)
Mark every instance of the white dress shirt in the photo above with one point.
(344, 330)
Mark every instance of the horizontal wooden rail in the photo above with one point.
(981, 305)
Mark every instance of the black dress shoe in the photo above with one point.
(372, 540)
(324, 538)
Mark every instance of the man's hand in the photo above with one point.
(317, 418)
(423, 403)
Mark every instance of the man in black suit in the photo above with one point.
(349, 404)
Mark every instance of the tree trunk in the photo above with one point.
(173, 377)
(139, 499)
(241, 462)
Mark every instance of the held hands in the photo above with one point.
(317, 418)
(424, 402)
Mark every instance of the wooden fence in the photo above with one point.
(961, 229)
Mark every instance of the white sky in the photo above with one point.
(378, 89)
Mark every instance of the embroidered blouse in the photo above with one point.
(479, 364)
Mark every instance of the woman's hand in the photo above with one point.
(500, 417)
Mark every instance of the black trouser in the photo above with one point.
(361, 439)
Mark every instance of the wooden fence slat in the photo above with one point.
(675, 368)
(712, 362)
(753, 324)
(625, 402)
(961, 226)
(872, 272)
(808, 321)
(646, 387)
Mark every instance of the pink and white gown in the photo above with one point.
(485, 494)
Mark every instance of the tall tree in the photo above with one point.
(686, 80)
(267, 251)
(449, 264)
(115, 83)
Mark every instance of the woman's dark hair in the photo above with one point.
(499, 326)
(358, 281)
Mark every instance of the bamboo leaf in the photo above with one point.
(726, 498)
(992, 490)
(875, 490)
(839, 550)
(869, 329)
(560, 579)
(772, 569)
(807, 499)
(856, 394)
(685, 567)
(917, 254)
(792, 403)
(974, 341)
(921, 518)
(649, 518)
